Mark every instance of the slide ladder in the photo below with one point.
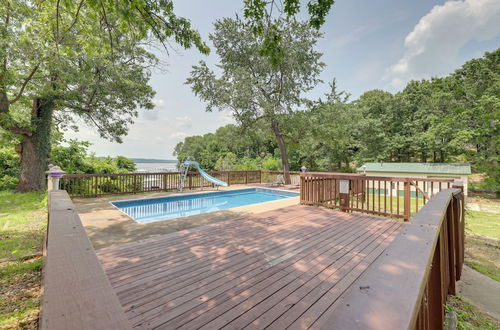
(185, 169)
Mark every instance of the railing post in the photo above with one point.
(452, 244)
(135, 184)
(190, 181)
(228, 178)
(459, 215)
(246, 177)
(96, 185)
(407, 200)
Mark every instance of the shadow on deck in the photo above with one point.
(277, 269)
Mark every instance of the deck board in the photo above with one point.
(278, 269)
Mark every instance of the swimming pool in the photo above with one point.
(171, 207)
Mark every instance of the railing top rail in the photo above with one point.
(396, 281)
(114, 174)
(151, 173)
(351, 176)
(77, 292)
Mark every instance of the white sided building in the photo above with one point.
(457, 171)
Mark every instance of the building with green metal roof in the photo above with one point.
(458, 171)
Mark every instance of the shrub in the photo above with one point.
(9, 168)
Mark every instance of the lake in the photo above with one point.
(156, 167)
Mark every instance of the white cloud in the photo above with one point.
(431, 48)
(183, 122)
(158, 102)
(178, 135)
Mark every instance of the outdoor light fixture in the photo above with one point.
(344, 186)
(303, 169)
(55, 173)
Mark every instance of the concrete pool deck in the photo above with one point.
(107, 226)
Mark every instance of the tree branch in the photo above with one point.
(25, 82)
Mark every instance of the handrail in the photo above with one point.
(76, 291)
(386, 196)
(407, 287)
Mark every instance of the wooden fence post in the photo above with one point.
(96, 185)
(459, 214)
(229, 178)
(407, 200)
(344, 194)
(190, 181)
(135, 184)
(246, 177)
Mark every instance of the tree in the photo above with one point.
(477, 90)
(84, 59)
(260, 14)
(251, 87)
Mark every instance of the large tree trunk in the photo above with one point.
(35, 148)
(284, 156)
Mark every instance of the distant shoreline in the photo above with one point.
(150, 160)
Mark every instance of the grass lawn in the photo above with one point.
(23, 219)
(482, 241)
(483, 223)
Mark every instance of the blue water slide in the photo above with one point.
(205, 174)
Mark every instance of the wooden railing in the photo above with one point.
(387, 196)
(272, 176)
(76, 291)
(407, 287)
(91, 185)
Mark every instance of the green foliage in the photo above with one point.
(260, 15)
(449, 119)
(125, 164)
(74, 159)
(9, 168)
(469, 317)
(255, 91)
(229, 162)
(225, 148)
(79, 59)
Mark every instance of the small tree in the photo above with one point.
(250, 86)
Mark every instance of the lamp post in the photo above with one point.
(303, 169)
(54, 174)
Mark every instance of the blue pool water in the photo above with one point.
(171, 207)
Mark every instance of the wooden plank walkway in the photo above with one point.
(280, 269)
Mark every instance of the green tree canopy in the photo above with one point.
(60, 60)
(249, 85)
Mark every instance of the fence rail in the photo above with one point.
(77, 293)
(407, 287)
(92, 185)
(379, 195)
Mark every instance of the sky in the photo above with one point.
(366, 45)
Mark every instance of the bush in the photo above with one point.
(74, 159)
(9, 168)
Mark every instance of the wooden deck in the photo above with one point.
(278, 269)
